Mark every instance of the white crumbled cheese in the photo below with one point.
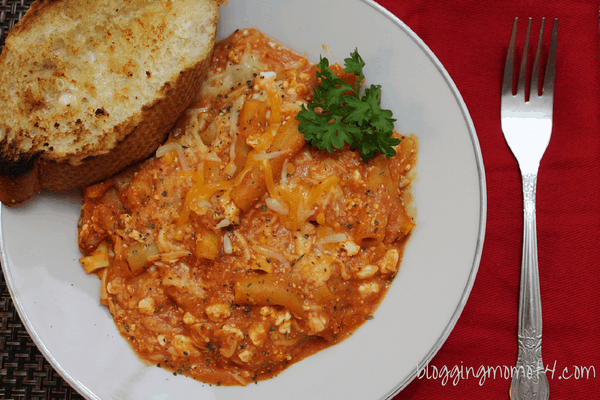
(282, 321)
(267, 74)
(183, 345)
(368, 288)
(316, 322)
(136, 235)
(231, 336)
(162, 340)
(315, 269)
(282, 316)
(357, 177)
(146, 305)
(218, 311)
(116, 286)
(231, 211)
(265, 310)
(404, 181)
(232, 332)
(350, 247)
(257, 334)
(389, 263)
(285, 328)
(245, 355)
(367, 271)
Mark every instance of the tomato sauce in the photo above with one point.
(239, 249)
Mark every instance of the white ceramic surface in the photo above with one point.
(59, 303)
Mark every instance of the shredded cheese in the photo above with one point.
(265, 166)
(270, 156)
(167, 147)
(200, 192)
(227, 246)
(276, 206)
(223, 224)
(334, 238)
(284, 172)
(323, 187)
(272, 254)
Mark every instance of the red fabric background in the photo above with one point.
(470, 38)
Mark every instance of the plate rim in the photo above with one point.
(482, 194)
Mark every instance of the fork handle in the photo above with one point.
(529, 379)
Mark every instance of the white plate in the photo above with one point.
(59, 303)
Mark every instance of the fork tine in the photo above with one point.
(523, 71)
(507, 82)
(535, 73)
(551, 64)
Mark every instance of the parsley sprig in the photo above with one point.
(340, 114)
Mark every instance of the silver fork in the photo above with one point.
(527, 125)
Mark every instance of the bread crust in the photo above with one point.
(157, 120)
(24, 173)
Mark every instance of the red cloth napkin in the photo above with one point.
(470, 38)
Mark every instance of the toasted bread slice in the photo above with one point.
(88, 87)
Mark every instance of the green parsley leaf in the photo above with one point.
(325, 132)
(338, 114)
(355, 65)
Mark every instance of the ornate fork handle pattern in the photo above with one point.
(529, 379)
(529, 184)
